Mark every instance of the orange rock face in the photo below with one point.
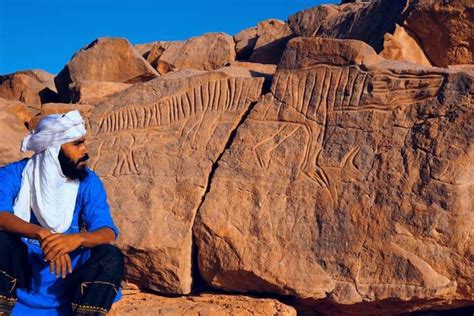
(444, 30)
(348, 183)
(105, 59)
(32, 87)
(207, 52)
(326, 161)
(206, 304)
(14, 119)
(154, 145)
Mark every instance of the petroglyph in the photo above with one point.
(321, 91)
(225, 95)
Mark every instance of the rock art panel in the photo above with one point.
(105, 59)
(348, 184)
(154, 145)
(206, 304)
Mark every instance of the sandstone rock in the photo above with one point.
(59, 108)
(256, 70)
(207, 52)
(206, 304)
(402, 46)
(14, 120)
(91, 92)
(32, 87)
(154, 145)
(367, 21)
(105, 59)
(245, 42)
(444, 29)
(349, 185)
(272, 36)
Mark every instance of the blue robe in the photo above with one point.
(46, 296)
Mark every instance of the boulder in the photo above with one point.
(444, 30)
(32, 87)
(272, 37)
(14, 121)
(154, 146)
(364, 21)
(206, 52)
(245, 42)
(143, 304)
(92, 92)
(105, 59)
(349, 185)
(401, 45)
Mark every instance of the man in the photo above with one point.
(56, 228)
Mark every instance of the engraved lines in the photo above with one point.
(225, 95)
(351, 89)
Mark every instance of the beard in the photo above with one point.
(70, 168)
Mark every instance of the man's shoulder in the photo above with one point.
(92, 178)
(14, 167)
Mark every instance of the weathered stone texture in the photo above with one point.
(14, 120)
(203, 305)
(402, 46)
(105, 59)
(32, 87)
(367, 22)
(245, 42)
(349, 183)
(92, 92)
(206, 52)
(272, 36)
(154, 145)
(444, 29)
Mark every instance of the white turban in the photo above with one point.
(45, 190)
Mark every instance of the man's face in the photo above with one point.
(73, 157)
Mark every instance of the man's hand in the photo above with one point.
(61, 266)
(55, 246)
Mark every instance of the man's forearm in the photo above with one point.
(13, 224)
(101, 236)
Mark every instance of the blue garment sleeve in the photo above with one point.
(10, 179)
(96, 211)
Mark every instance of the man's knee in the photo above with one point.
(111, 257)
(8, 241)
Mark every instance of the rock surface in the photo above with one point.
(14, 119)
(161, 139)
(32, 87)
(91, 92)
(444, 29)
(105, 59)
(349, 183)
(206, 52)
(402, 46)
(340, 181)
(205, 304)
(245, 42)
(367, 21)
(272, 36)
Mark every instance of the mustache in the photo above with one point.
(84, 158)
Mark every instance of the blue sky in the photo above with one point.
(46, 33)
